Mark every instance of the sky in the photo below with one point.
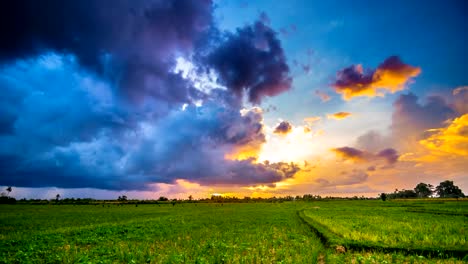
(237, 98)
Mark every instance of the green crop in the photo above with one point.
(225, 233)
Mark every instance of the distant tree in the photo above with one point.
(447, 189)
(403, 194)
(8, 189)
(122, 198)
(163, 199)
(423, 190)
(383, 196)
(190, 197)
(57, 197)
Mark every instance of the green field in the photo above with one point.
(289, 232)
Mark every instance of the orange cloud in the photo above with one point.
(390, 76)
(244, 152)
(339, 115)
(452, 140)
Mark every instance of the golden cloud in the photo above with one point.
(339, 115)
(390, 76)
(451, 140)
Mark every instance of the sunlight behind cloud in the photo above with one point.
(296, 146)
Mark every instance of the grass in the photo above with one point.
(191, 233)
(434, 228)
(212, 233)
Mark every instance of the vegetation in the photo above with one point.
(423, 190)
(248, 232)
(191, 233)
(434, 228)
(445, 189)
(220, 229)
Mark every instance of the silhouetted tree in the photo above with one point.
(383, 196)
(163, 199)
(57, 197)
(403, 194)
(8, 189)
(190, 197)
(447, 189)
(423, 190)
(122, 198)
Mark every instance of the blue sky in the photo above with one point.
(340, 33)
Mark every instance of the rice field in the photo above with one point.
(393, 224)
(228, 233)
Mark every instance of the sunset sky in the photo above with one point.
(239, 98)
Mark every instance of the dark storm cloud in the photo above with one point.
(283, 128)
(133, 42)
(192, 145)
(391, 75)
(252, 61)
(90, 98)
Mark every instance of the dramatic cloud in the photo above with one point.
(283, 128)
(411, 119)
(390, 76)
(451, 140)
(348, 153)
(414, 120)
(252, 61)
(132, 43)
(339, 115)
(101, 98)
(153, 153)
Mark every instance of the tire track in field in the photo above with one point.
(332, 243)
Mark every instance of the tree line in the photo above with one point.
(445, 189)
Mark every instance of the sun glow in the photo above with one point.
(299, 145)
